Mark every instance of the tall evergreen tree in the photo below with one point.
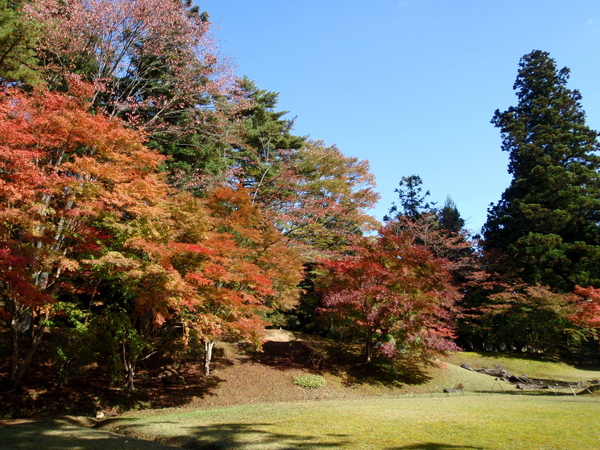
(547, 222)
(449, 217)
(265, 138)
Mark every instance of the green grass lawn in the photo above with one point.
(491, 414)
(358, 407)
(435, 421)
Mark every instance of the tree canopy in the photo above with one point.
(153, 202)
(392, 295)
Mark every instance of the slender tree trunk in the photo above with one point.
(208, 350)
(369, 346)
(369, 351)
(20, 365)
(129, 379)
(129, 362)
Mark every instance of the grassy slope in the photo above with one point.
(378, 413)
(251, 402)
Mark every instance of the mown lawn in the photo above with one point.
(436, 421)
(360, 407)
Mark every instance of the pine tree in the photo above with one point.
(441, 231)
(17, 44)
(449, 217)
(547, 222)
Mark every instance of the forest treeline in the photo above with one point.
(152, 202)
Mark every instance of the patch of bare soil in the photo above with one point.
(279, 335)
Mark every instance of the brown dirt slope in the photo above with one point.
(238, 376)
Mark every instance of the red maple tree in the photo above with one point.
(64, 173)
(237, 264)
(392, 293)
(589, 307)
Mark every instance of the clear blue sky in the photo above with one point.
(410, 85)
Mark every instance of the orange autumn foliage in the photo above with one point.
(63, 173)
(589, 307)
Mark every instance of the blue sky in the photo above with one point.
(410, 85)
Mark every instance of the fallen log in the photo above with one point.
(528, 386)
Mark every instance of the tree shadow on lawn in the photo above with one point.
(293, 355)
(62, 434)
(543, 392)
(237, 435)
(586, 365)
(396, 373)
(88, 395)
(578, 361)
(432, 446)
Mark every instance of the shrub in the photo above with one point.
(310, 381)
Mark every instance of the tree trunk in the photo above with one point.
(19, 366)
(208, 350)
(369, 351)
(129, 379)
(129, 362)
(368, 340)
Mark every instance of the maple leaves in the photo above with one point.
(64, 172)
(589, 307)
(242, 270)
(214, 246)
(393, 293)
(63, 167)
(81, 194)
(317, 197)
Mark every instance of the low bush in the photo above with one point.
(310, 381)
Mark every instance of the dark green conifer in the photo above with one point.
(547, 222)
(449, 217)
(17, 44)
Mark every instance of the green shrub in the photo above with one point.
(310, 381)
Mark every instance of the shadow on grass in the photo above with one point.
(431, 446)
(396, 374)
(542, 392)
(236, 435)
(520, 355)
(293, 355)
(575, 360)
(61, 434)
(591, 366)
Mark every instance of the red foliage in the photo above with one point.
(67, 177)
(393, 293)
(236, 265)
(589, 304)
(63, 168)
